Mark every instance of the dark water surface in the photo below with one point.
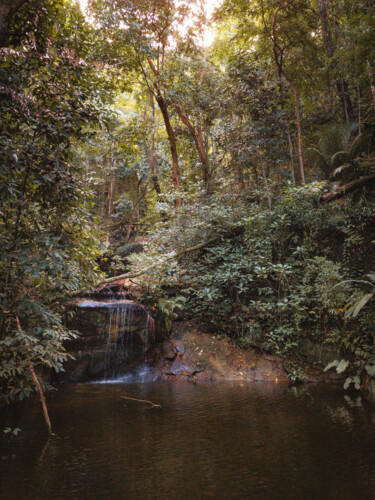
(214, 440)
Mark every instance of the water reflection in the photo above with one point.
(215, 440)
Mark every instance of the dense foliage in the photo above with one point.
(48, 99)
(245, 168)
(271, 277)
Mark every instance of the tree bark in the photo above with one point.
(237, 170)
(154, 146)
(169, 129)
(36, 381)
(278, 55)
(203, 156)
(291, 158)
(111, 191)
(299, 133)
(172, 141)
(197, 136)
(175, 256)
(348, 188)
(342, 87)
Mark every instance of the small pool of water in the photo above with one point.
(213, 440)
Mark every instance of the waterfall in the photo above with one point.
(115, 336)
(128, 324)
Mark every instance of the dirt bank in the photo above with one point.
(193, 352)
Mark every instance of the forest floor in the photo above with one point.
(193, 352)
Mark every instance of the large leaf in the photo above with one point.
(357, 382)
(333, 364)
(340, 158)
(348, 381)
(360, 304)
(342, 366)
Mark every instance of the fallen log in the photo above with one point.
(347, 188)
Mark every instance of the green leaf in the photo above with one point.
(348, 381)
(342, 366)
(357, 382)
(333, 364)
(359, 305)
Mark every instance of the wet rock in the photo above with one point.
(129, 248)
(197, 354)
(193, 352)
(113, 334)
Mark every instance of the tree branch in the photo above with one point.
(35, 378)
(348, 188)
(171, 257)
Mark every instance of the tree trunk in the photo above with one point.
(199, 143)
(172, 141)
(36, 380)
(154, 146)
(278, 55)
(289, 137)
(291, 158)
(239, 177)
(237, 170)
(347, 188)
(342, 87)
(299, 132)
(111, 195)
(203, 157)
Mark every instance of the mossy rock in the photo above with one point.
(128, 249)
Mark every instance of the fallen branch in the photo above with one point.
(348, 188)
(153, 405)
(172, 257)
(36, 381)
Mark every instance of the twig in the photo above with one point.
(153, 405)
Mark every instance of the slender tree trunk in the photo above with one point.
(265, 177)
(239, 177)
(129, 230)
(36, 381)
(202, 150)
(278, 55)
(111, 195)
(172, 142)
(197, 136)
(291, 159)
(289, 137)
(359, 111)
(298, 124)
(299, 133)
(203, 157)
(137, 208)
(342, 87)
(240, 184)
(154, 146)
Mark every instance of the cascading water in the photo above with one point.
(128, 321)
(115, 336)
